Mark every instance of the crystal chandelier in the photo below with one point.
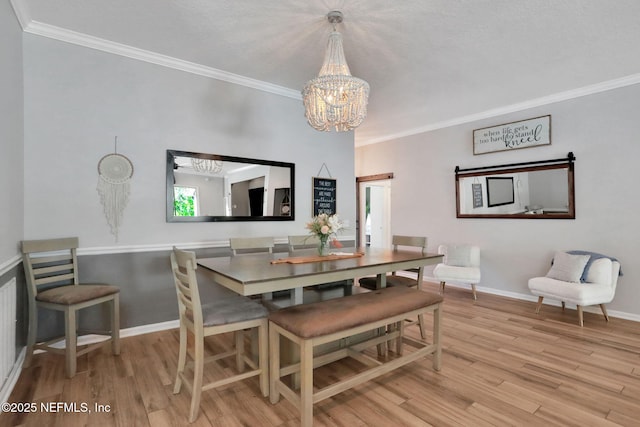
(206, 165)
(335, 99)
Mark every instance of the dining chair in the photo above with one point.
(307, 241)
(303, 241)
(250, 245)
(51, 270)
(240, 245)
(394, 279)
(229, 314)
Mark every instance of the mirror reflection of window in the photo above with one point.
(185, 201)
(219, 194)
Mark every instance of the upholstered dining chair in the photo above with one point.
(461, 264)
(51, 270)
(250, 245)
(394, 279)
(580, 278)
(229, 314)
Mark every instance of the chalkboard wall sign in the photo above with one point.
(324, 196)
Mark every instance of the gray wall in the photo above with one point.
(11, 161)
(600, 129)
(77, 99)
(11, 134)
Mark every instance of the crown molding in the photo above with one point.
(532, 103)
(80, 39)
(22, 12)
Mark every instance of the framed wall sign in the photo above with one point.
(476, 190)
(324, 196)
(512, 136)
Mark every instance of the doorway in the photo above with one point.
(374, 211)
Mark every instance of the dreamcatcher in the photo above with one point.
(114, 174)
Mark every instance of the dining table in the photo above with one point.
(265, 273)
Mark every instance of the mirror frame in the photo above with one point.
(172, 154)
(564, 163)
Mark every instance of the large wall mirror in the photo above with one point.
(212, 187)
(540, 189)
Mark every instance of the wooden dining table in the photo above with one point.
(264, 273)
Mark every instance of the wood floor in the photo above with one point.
(502, 366)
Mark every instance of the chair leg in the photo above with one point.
(71, 342)
(239, 336)
(115, 325)
(539, 304)
(580, 320)
(437, 337)
(182, 358)
(306, 383)
(399, 340)
(473, 289)
(423, 332)
(604, 312)
(274, 364)
(263, 350)
(198, 368)
(441, 287)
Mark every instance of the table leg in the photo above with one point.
(296, 296)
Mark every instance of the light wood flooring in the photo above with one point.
(502, 366)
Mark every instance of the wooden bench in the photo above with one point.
(311, 325)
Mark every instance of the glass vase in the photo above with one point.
(323, 247)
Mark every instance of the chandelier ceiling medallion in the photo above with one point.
(335, 99)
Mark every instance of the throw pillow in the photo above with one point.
(459, 256)
(568, 268)
(600, 272)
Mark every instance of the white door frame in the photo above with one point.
(383, 181)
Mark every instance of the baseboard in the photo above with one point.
(11, 380)
(533, 298)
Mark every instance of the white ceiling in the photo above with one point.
(430, 63)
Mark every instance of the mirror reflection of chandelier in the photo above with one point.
(206, 165)
(335, 99)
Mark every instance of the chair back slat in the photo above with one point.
(303, 241)
(412, 241)
(251, 244)
(50, 245)
(183, 266)
(39, 271)
(49, 262)
(67, 279)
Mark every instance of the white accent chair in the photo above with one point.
(461, 264)
(569, 280)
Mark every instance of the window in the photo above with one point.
(185, 201)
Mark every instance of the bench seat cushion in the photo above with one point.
(326, 317)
